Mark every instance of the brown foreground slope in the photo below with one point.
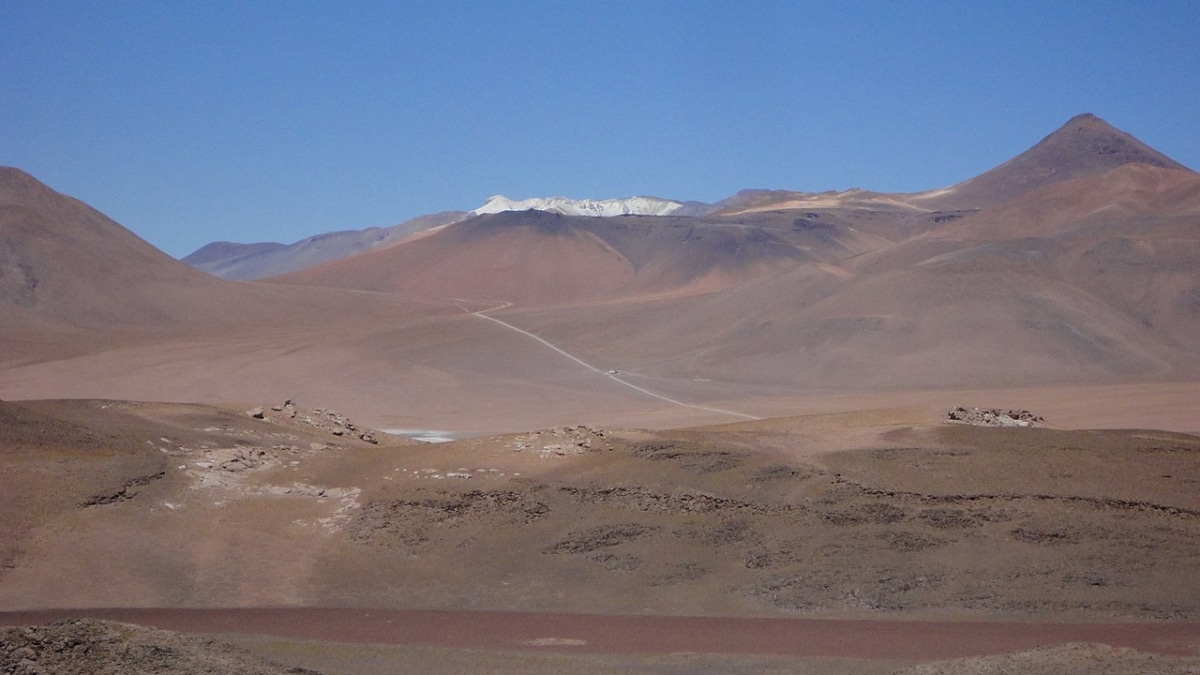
(886, 514)
(908, 538)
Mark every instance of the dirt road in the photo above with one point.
(615, 377)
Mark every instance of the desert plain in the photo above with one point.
(716, 442)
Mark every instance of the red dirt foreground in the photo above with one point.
(614, 634)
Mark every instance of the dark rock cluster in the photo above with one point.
(93, 647)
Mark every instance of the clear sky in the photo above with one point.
(256, 120)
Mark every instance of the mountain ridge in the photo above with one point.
(1084, 145)
(1091, 279)
(244, 262)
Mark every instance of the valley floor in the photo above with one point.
(644, 634)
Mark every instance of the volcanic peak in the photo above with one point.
(1084, 146)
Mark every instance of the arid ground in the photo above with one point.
(710, 443)
(849, 542)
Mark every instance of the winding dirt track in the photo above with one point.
(916, 640)
(482, 314)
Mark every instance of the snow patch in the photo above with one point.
(639, 206)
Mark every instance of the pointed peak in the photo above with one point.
(1087, 123)
(1085, 145)
(1088, 144)
(1083, 118)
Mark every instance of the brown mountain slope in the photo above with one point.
(533, 258)
(943, 326)
(1093, 279)
(529, 257)
(255, 261)
(1128, 191)
(91, 310)
(60, 258)
(73, 282)
(219, 251)
(1128, 239)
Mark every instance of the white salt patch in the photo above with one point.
(424, 435)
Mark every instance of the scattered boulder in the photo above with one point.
(288, 406)
(256, 413)
(993, 417)
(246, 458)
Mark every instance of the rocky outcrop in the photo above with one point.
(993, 417)
(563, 441)
(325, 419)
(78, 646)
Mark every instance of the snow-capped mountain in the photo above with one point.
(641, 206)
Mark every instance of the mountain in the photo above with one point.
(90, 310)
(63, 260)
(1079, 258)
(87, 308)
(637, 206)
(1087, 279)
(737, 420)
(538, 258)
(255, 261)
(219, 252)
(1085, 146)
(230, 260)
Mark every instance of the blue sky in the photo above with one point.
(254, 120)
